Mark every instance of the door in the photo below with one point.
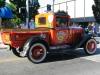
(61, 36)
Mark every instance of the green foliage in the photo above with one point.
(21, 5)
(2, 3)
(16, 21)
(11, 6)
(6, 23)
(19, 17)
(11, 23)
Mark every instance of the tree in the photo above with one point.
(21, 8)
(6, 12)
(18, 8)
(2, 3)
(33, 8)
(96, 10)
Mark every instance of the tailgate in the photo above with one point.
(5, 36)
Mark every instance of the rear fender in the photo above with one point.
(30, 42)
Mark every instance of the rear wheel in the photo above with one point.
(37, 53)
(90, 46)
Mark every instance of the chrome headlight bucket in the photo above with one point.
(43, 36)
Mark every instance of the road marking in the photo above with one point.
(95, 58)
(11, 60)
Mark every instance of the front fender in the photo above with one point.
(84, 39)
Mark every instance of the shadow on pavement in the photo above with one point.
(68, 55)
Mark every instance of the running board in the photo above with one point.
(61, 47)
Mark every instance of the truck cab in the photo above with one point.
(60, 31)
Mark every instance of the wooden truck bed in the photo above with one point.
(17, 37)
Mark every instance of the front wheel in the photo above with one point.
(37, 53)
(90, 46)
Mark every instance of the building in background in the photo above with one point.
(75, 8)
(79, 10)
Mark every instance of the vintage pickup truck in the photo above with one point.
(52, 33)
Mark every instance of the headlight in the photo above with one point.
(50, 18)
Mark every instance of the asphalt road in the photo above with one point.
(71, 63)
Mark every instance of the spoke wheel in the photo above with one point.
(37, 53)
(90, 46)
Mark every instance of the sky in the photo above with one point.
(73, 10)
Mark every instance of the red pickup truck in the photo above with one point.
(52, 33)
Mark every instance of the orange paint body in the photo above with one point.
(46, 24)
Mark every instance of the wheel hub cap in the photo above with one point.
(37, 52)
(91, 46)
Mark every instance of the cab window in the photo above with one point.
(42, 21)
(61, 21)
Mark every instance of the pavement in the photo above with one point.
(71, 63)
